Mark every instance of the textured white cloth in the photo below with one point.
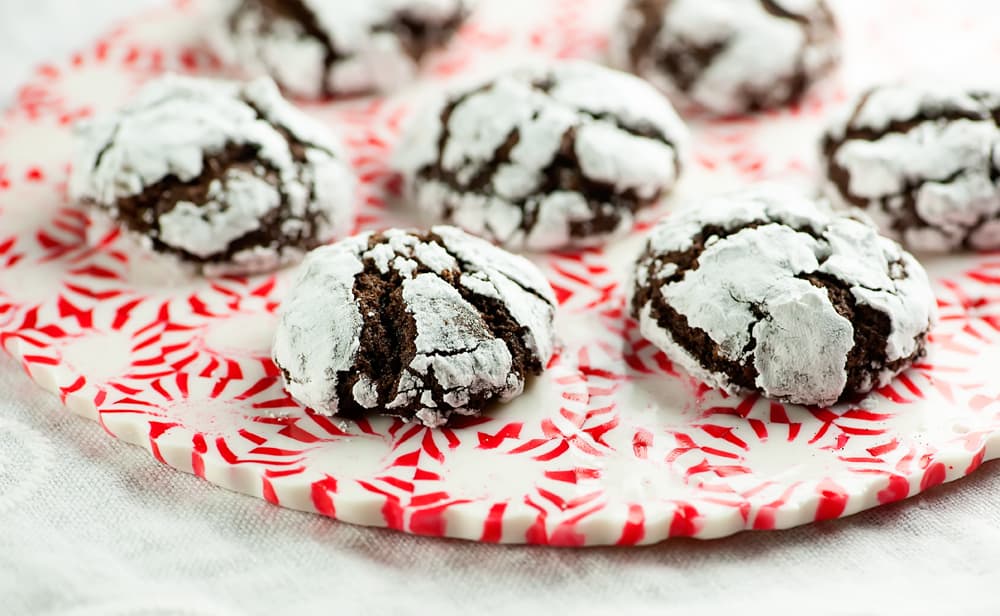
(93, 526)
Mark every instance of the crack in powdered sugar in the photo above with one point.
(923, 162)
(227, 177)
(544, 157)
(767, 291)
(415, 325)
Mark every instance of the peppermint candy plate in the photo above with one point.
(612, 445)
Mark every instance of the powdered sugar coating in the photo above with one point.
(471, 321)
(320, 319)
(314, 48)
(768, 266)
(728, 56)
(268, 182)
(204, 229)
(545, 156)
(924, 163)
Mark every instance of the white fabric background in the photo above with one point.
(99, 528)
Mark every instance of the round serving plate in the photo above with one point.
(612, 445)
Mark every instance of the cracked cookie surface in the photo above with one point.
(923, 163)
(417, 325)
(544, 157)
(768, 291)
(317, 48)
(728, 56)
(225, 177)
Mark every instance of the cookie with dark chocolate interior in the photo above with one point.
(317, 48)
(923, 162)
(728, 56)
(223, 177)
(769, 291)
(543, 157)
(417, 325)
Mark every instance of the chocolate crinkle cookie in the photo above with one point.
(317, 48)
(417, 325)
(224, 177)
(769, 291)
(923, 162)
(728, 56)
(543, 157)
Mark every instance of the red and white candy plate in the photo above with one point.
(611, 446)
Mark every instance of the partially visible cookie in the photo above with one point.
(316, 48)
(728, 56)
(227, 178)
(923, 162)
(769, 291)
(418, 325)
(544, 157)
